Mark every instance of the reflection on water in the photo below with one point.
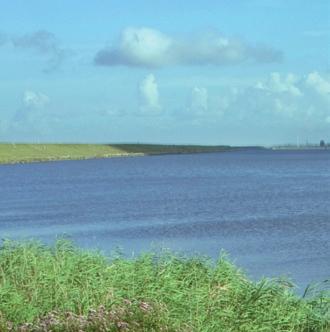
(269, 209)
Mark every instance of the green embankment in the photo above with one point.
(63, 288)
(15, 153)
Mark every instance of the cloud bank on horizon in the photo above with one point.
(146, 47)
(277, 103)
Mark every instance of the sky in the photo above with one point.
(243, 72)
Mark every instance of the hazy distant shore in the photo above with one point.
(300, 148)
(24, 153)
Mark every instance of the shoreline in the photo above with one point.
(64, 158)
(11, 154)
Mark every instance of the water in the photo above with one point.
(268, 209)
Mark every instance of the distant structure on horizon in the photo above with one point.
(298, 146)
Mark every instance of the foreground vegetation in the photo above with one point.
(15, 153)
(63, 288)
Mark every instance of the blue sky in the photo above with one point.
(207, 72)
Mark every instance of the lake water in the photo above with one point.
(270, 210)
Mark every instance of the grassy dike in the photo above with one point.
(19, 153)
(64, 288)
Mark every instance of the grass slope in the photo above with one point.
(15, 153)
(63, 288)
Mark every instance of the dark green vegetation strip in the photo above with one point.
(16, 153)
(63, 288)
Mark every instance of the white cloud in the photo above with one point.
(278, 102)
(32, 119)
(32, 99)
(283, 100)
(149, 94)
(278, 105)
(145, 47)
(32, 109)
(278, 84)
(320, 84)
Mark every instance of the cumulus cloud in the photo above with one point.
(145, 47)
(149, 95)
(277, 106)
(281, 84)
(33, 104)
(283, 100)
(44, 43)
(30, 119)
(35, 99)
(319, 84)
(278, 84)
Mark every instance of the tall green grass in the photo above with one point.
(64, 288)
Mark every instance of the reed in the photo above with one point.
(64, 288)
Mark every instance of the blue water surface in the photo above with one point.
(270, 210)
